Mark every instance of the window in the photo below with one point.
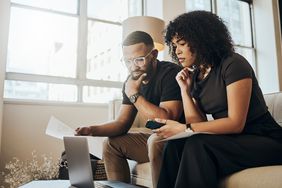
(237, 16)
(67, 50)
(198, 5)
(42, 43)
(40, 91)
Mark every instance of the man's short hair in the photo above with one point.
(138, 37)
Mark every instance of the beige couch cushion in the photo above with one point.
(140, 173)
(114, 107)
(274, 103)
(261, 177)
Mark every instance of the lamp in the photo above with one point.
(151, 25)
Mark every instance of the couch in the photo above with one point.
(261, 177)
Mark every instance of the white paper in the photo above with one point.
(183, 135)
(58, 129)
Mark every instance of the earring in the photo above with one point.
(194, 66)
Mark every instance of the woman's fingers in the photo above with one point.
(164, 121)
(171, 128)
(184, 73)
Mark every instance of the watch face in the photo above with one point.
(134, 97)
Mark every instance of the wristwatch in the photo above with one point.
(189, 128)
(133, 98)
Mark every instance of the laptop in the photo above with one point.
(79, 166)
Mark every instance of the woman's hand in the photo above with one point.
(184, 79)
(170, 128)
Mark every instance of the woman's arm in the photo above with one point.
(192, 112)
(238, 100)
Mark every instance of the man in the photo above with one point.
(152, 91)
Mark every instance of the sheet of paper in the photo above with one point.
(58, 129)
(183, 135)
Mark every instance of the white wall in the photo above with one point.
(166, 10)
(268, 45)
(24, 127)
(4, 17)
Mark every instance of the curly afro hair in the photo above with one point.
(206, 35)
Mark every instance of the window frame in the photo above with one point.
(81, 69)
(213, 9)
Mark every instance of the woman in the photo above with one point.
(215, 80)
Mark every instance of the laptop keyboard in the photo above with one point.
(99, 185)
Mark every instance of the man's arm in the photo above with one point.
(166, 110)
(169, 109)
(114, 128)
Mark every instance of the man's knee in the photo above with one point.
(155, 147)
(106, 148)
(118, 145)
(110, 146)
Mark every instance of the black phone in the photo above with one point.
(151, 124)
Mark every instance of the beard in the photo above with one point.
(135, 75)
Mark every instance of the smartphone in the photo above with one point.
(151, 124)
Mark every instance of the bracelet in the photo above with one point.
(188, 126)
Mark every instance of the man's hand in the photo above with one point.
(83, 131)
(133, 86)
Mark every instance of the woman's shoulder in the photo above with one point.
(235, 61)
(235, 58)
(235, 67)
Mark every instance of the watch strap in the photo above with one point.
(133, 98)
(188, 127)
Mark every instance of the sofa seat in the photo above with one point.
(140, 173)
(261, 177)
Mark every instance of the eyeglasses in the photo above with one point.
(138, 61)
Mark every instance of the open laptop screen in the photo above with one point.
(79, 166)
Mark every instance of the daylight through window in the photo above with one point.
(67, 50)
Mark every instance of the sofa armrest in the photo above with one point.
(274, 104)
(114, 107)
(95, 145)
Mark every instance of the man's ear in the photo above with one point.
(155, 53)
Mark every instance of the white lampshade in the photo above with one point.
(151, 25)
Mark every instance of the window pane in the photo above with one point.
(104, 52)
(114, 10)
(69, 6)
(198, 5)
(40, 91)
(42, 43)
(248, 54)
(100, 94)
(236, 15)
